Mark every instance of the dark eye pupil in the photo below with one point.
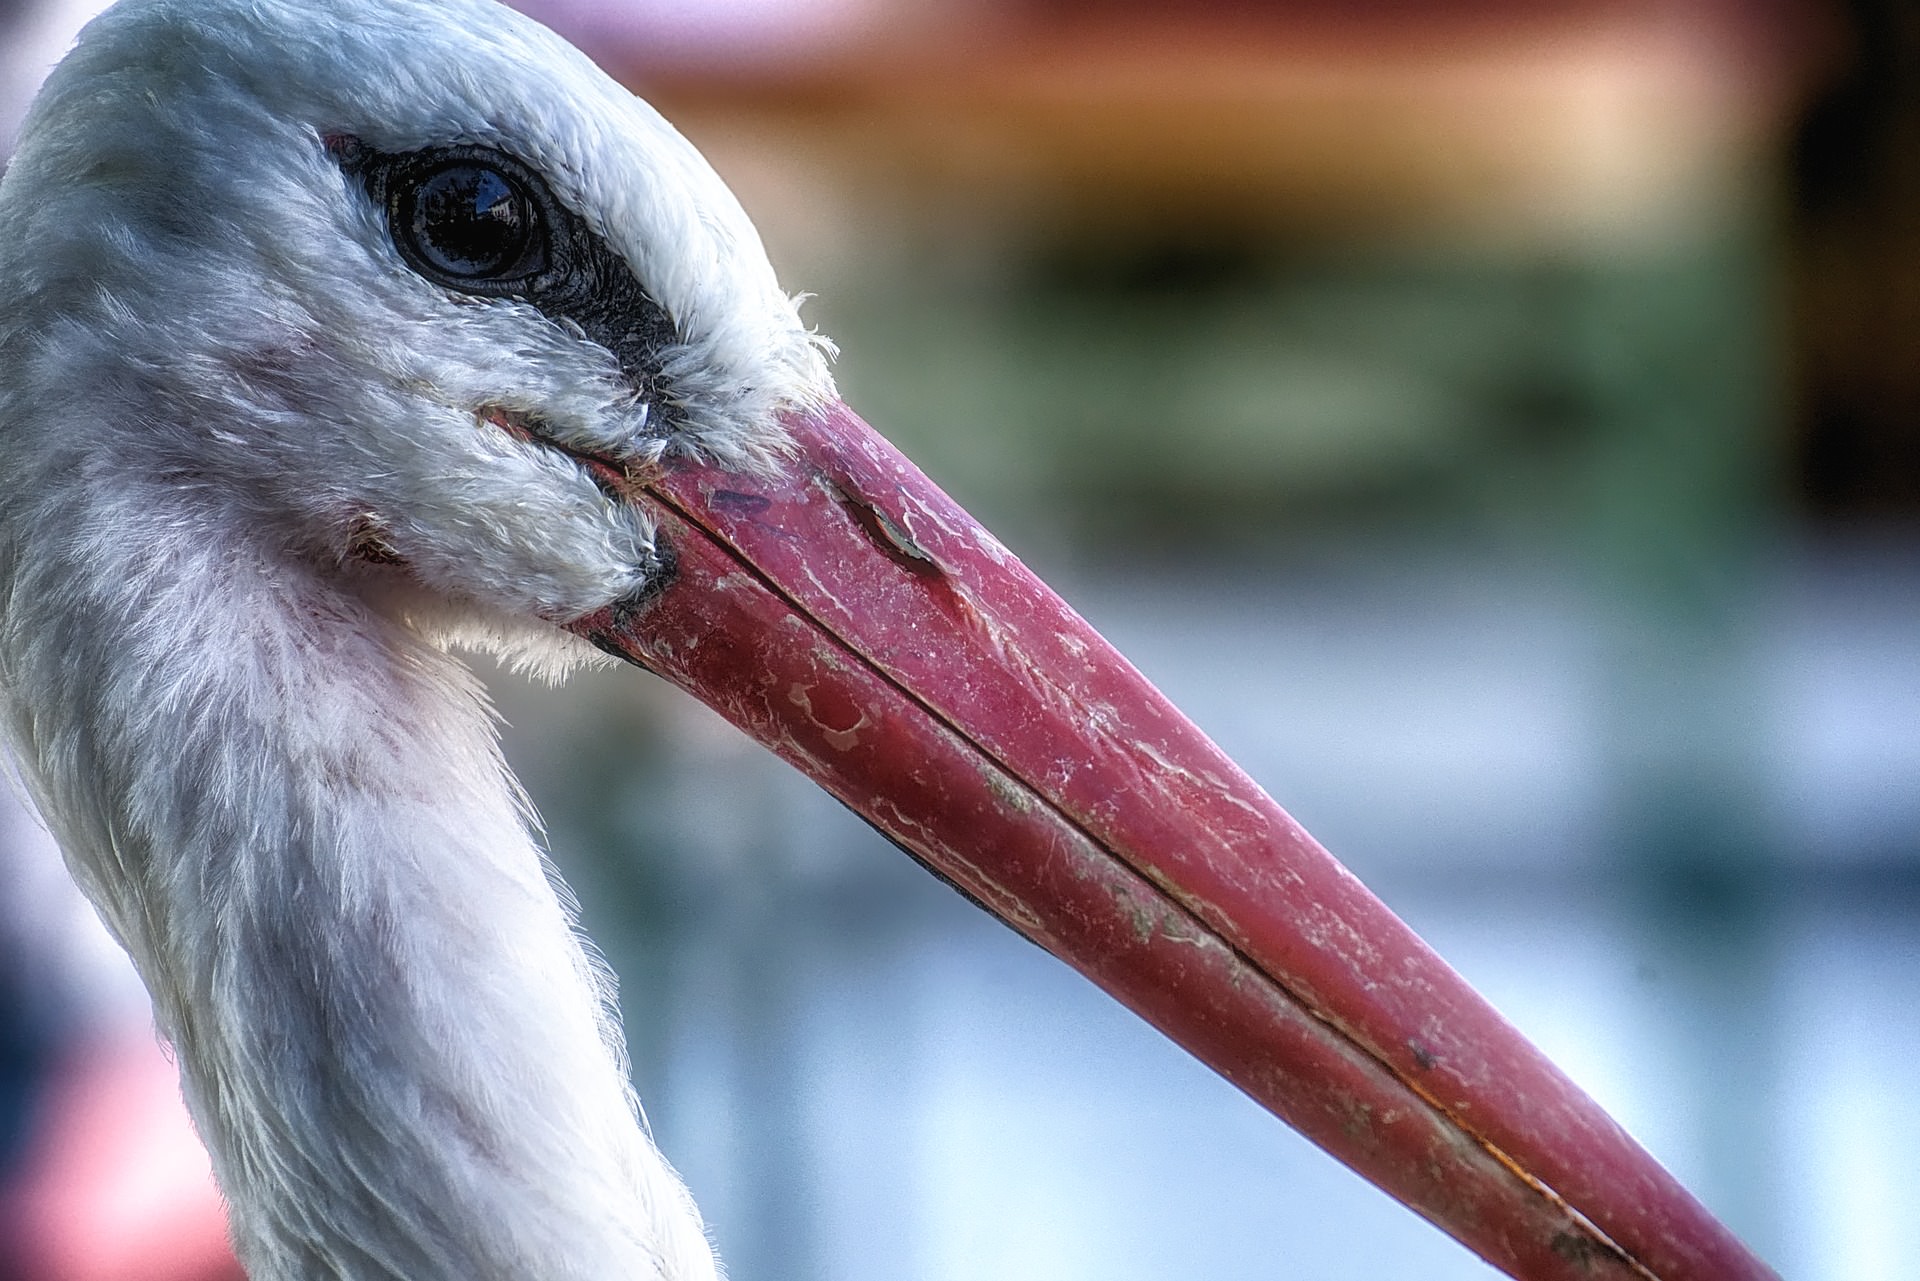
(472, 222)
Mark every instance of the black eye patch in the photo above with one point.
(477, 221)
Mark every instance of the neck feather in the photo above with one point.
(294, 814)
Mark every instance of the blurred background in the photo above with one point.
(1497, 422)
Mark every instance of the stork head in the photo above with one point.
(373, 281)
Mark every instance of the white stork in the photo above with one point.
(336, 337)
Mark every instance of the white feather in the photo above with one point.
(283, 794)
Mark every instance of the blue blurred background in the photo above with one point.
(1497, 423)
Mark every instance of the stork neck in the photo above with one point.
(295, 815)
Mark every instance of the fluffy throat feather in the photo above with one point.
(391, 1036)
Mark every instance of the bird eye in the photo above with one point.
(481, 221)
(470, 223)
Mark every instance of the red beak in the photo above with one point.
(852, 618)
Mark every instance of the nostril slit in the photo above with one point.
(889, 535)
